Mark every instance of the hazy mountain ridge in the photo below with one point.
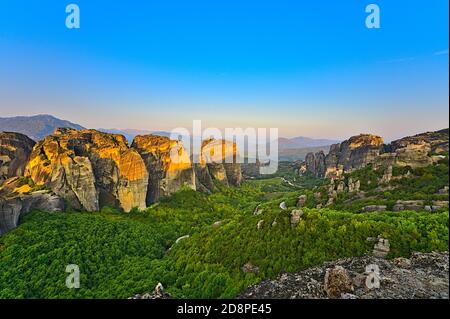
(303, 142)
(35, 127)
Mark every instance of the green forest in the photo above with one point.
(121, 255)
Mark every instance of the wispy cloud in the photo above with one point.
(442, 52)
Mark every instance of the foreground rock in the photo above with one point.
(17, 200)
(168, 164)
(15, 150)
(424, 275)
(90, 169)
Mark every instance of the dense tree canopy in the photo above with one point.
(120, 255)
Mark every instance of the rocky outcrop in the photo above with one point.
(355, 153)
(218, 161)
(17, 200)
(424, 275)
(90, 169)
(168, 164)
(437, 141)
(15, 150)
(359, 151)
(419, 205)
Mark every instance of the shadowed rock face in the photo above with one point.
(15, 150)
(219, 161)
(356, 152)
(168, 164)
(362, 150)
(90, 169)
(15, 201)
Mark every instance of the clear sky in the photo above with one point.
(309, 68)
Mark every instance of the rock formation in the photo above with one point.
(218, 161)
(90, 169)
(168, 164)
(15, 150)
(18, 199)
(359, 151)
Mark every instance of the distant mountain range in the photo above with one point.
(39, 126)
(35, 127)
(303, 142)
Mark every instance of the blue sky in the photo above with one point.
(307, 67)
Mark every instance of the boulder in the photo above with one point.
(260, 224)
(415, 205)
(296, 216)
(302, 200)
(337, 282)
(374, 208)
(250, 268)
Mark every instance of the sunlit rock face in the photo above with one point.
(168, 163)
(90, 169)
(15, 150)
(218, 161)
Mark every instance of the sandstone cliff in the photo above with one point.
(15, 150)
(362, 150)
(168, 164)
(90, 169)
(219, 161)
